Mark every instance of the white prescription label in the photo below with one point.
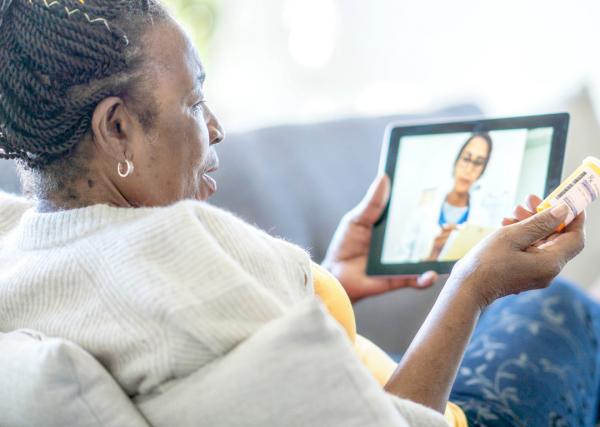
(579, 193)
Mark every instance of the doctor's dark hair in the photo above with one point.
(59, 59)
(488, 139)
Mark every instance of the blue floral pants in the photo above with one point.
(533, 361)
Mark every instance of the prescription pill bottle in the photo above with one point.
(580, 189)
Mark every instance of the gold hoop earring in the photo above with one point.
(127, 172)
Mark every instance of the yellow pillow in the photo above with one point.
(335, 298)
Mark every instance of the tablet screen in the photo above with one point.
(473, 179)
(450, 189)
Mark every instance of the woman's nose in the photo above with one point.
(216, 132)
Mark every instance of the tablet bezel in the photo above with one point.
(389, 155)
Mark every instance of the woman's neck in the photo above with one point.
(79, 193)
(458, 199)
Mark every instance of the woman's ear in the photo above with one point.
(112, 127)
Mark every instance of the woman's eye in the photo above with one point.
(198, 106)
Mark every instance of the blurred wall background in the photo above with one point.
(281, 61)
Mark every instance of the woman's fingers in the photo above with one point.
(426, 279)
(532, 202)
(569, 242)
(520, 213)
(382, 285)
(386, 284)
(524, 211)
(508, 221)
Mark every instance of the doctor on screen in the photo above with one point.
(441, 210)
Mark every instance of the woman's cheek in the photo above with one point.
(196, 152)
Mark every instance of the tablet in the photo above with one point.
(453, 183)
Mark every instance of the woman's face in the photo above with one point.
(470, 164)
(173, 158)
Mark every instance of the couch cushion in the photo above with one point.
(51, 382)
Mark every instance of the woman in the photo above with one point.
(469, 166)
(102, 103)
(442, 210)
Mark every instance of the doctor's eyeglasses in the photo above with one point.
(476, 162)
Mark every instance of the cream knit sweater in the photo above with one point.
(154, 294)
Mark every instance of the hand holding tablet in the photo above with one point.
(453, 183)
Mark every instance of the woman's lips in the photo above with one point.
(209, 186)
(213, 164)
(210, 183)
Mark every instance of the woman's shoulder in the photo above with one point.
(8, 199)
(199, 217)
(201, 226)
(12, 208)
(205, 252)
(219, 221)
(263, 256)
(222, 223)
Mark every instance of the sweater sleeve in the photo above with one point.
(418, 415)
(281, 267)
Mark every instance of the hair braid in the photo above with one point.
(93, 49)
(59, 59)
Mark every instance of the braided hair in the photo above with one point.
(58, 60)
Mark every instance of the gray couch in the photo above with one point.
(297, 181)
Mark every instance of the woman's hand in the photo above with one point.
(525, 211)
(440, 241)
(525, 254)
(347, 254)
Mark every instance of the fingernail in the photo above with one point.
(425, 278)
(560, 211)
